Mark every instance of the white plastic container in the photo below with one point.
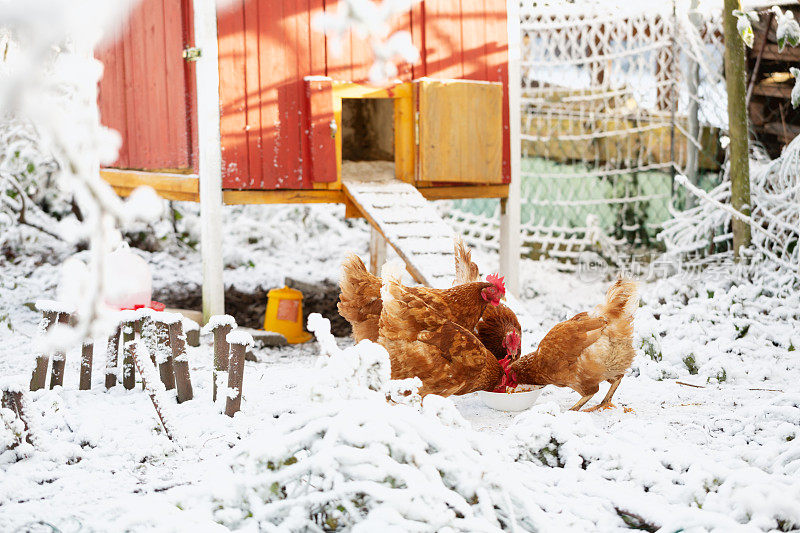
(515, 401)
(128, 279)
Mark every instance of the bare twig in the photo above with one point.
(690, 385)
(23, 206)
(155, 389)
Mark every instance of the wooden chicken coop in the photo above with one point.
(291, 111)
(773, 120)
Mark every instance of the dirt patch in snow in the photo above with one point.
(248, 307)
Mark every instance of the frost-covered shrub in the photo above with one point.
(774, 256)
(716, 331)
(740, 489)
(359, 463)
(28, 174)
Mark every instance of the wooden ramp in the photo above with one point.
(409, 223)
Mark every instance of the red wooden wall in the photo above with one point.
(147, 90)
(267, 47)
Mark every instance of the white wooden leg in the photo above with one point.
(210, 156)
(377, 251)
(510, 207)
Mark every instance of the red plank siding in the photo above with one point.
(322, 146)
(266, 49)
(473, 32)
(233, 95)
(497, 67)
(143, 91)
(443, 39)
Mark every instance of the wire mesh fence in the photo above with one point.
(615, 100)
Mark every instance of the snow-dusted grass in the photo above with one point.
(312, 449)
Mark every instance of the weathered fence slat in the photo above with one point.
(180, 362)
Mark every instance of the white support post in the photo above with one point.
(377, 251)
(510, 207)
(210, 158)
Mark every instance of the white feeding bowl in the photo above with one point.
(514, 401)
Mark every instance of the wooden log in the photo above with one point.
(59, 358)
(220, 326)
(776, 90)
(87, 354)
(183, 381)
(239, 341)
(39, 375)
(112, 354)
(128, 366)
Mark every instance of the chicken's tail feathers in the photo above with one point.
(352, 266)
(622, 300)
(466, 270)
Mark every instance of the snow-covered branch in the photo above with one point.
(48, 101)
(372, 21)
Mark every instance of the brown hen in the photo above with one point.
(424, 341)
(582, 352)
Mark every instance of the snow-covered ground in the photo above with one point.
(721, 455)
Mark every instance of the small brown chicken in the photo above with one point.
(499, 329)
(360, 300)
(587, 349)
(424, 341)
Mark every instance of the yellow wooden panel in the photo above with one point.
(283, 196)
(464, 191)
(183, 187)
(460, 131)
(404, 138)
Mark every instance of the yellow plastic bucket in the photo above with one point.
(285, 315)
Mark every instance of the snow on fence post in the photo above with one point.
(112, 354)
(239, 342)
(39, 375)
(128, 319)
(180, 364)
(192, 331)
(60, 357)
(154, 389)
(128, 366)
(220, 326)
(146, 332)
(87, 354)
(12, 398)
(156, 334)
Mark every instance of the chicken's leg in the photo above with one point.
(581, 402)
(607, 400)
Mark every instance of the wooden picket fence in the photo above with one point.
(163, 335)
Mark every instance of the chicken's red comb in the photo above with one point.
(497, 281)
